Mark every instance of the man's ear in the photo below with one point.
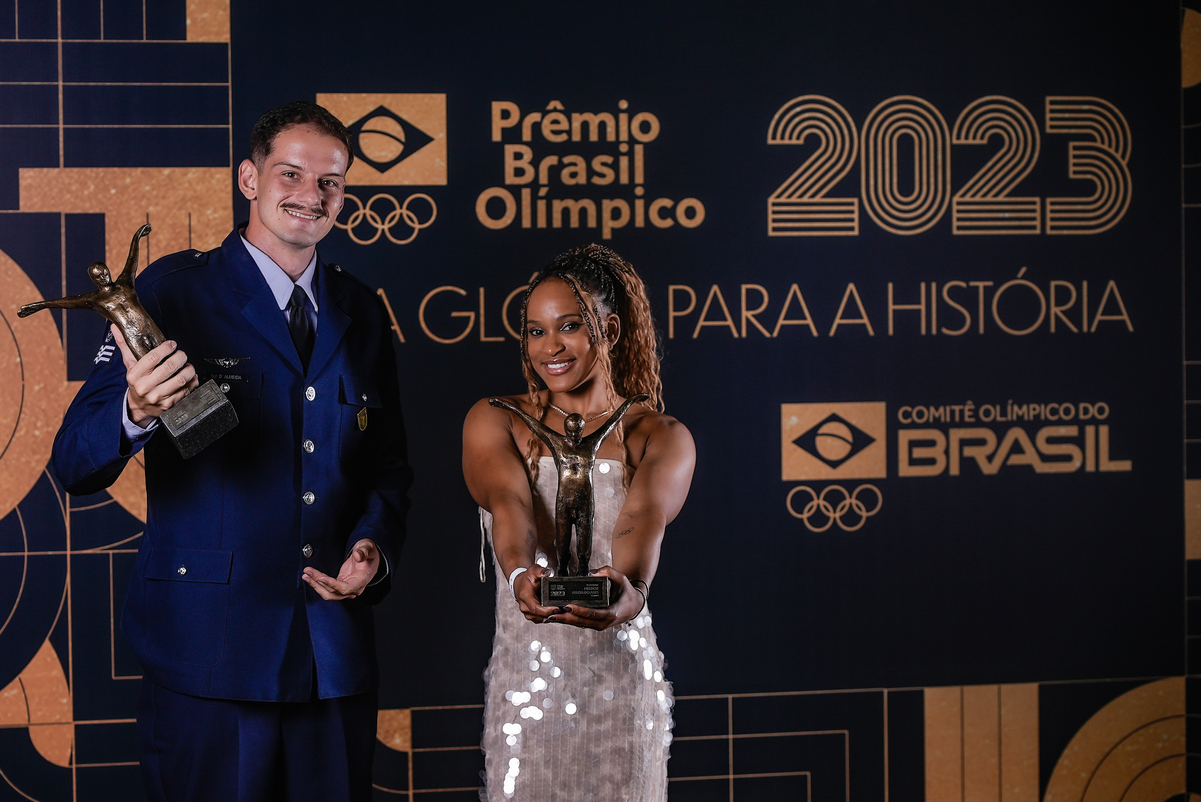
(248, 179)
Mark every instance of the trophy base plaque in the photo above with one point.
(585, 591)
(200, 418)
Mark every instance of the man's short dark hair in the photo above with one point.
(298, 112)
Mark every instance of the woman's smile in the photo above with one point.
(558, 367)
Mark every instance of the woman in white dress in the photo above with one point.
(576, 706)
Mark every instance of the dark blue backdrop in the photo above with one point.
(983, 578)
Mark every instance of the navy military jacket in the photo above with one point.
(238, 622)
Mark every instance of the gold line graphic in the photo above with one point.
(1134, 743)
(982, 743)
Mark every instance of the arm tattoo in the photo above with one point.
(530, 538)
(620, 535)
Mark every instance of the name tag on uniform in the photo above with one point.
(363, 419)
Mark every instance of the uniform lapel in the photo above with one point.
(258, 304)
(332, 317)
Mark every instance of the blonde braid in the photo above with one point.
(637, 365)
(531, 380)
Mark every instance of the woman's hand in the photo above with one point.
(527, 588)
(627, 606)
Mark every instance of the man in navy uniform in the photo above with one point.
(250, 602)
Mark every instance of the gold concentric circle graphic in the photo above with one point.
(1131, 750)
(33, 383)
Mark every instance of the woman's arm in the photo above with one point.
(496, 477)
(656, 495)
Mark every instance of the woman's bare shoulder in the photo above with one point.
(484, 408)
(650, 431)
(484, 419)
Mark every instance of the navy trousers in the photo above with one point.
(200, 750)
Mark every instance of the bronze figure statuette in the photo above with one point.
(205, 413)
(574, 457)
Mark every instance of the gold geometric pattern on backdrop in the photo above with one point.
(1192, 519)
(1131, 750)
(394, 729)
(33, 387)
(1190, 49)
(189, 207)
(982, 743)
(208, 20)
(40, 699)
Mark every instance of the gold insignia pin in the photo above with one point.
(363, 419)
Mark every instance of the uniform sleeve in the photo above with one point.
(383, 520)
(90, 449)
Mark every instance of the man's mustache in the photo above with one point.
(300, 207)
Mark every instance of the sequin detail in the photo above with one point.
(572, 714)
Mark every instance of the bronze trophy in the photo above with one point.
(574, 457)
(204, 414)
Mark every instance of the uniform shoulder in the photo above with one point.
(174, 263)
(348, 279)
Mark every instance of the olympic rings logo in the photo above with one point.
(383, 225)
(819, 508)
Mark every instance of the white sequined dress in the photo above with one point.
(574, 715)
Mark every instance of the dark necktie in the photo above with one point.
(300, 327)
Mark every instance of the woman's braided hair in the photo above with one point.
(603, 282)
